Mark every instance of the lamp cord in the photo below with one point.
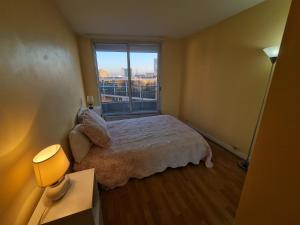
(44, 213)
(47, 203)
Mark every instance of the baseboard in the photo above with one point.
(226, 146)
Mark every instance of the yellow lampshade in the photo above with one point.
(50, 165)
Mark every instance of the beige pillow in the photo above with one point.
(79, 113)
(94, 126)
(93, 114)
(97, 110)
(80, 144)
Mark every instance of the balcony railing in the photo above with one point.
(115, 97)
(123, 107)
(138, 92)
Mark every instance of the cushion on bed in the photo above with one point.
(94, 115)
(79, 113)
(97, 109)
(80, 144)
(95, 128)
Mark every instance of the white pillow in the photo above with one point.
(94, 127)
(97, 109)
(80, 144)
(79, 113)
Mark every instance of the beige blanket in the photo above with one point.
(144, 146)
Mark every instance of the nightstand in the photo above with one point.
(79, 206)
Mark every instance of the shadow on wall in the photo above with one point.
(33, 133)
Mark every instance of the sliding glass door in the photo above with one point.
(113, 82)
(128, 77)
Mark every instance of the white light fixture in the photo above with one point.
(50, 166)
(272, 53)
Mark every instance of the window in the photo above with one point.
(127, 77)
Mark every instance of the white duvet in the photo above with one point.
(144, 146)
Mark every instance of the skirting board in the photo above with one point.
(221, 143)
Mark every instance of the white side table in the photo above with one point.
(79, 206)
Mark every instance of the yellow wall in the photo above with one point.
(171, 68)
(171, 72)
(226, 72)
(40, 92)
(271, 192)
(88, 67)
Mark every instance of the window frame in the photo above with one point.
(128, 44)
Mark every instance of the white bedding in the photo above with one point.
(144, 146)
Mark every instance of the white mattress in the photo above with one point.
(144, 146)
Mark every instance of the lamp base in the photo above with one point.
(59, 189)
(244, 165)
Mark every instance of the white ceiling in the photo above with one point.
(160, 18)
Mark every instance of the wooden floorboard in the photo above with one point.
(192, 195)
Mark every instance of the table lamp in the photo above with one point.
(90, 101)
(50, 166)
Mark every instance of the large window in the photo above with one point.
(128, 77)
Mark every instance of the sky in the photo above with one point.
(113, 62)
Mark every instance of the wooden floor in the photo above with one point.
(189, 195)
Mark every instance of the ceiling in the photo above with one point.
(158, 18)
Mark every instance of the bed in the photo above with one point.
(145, 146)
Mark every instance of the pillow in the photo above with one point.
(80, 144)
(79, 113)
(94, 126)
(98, 110)
(94, 115)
